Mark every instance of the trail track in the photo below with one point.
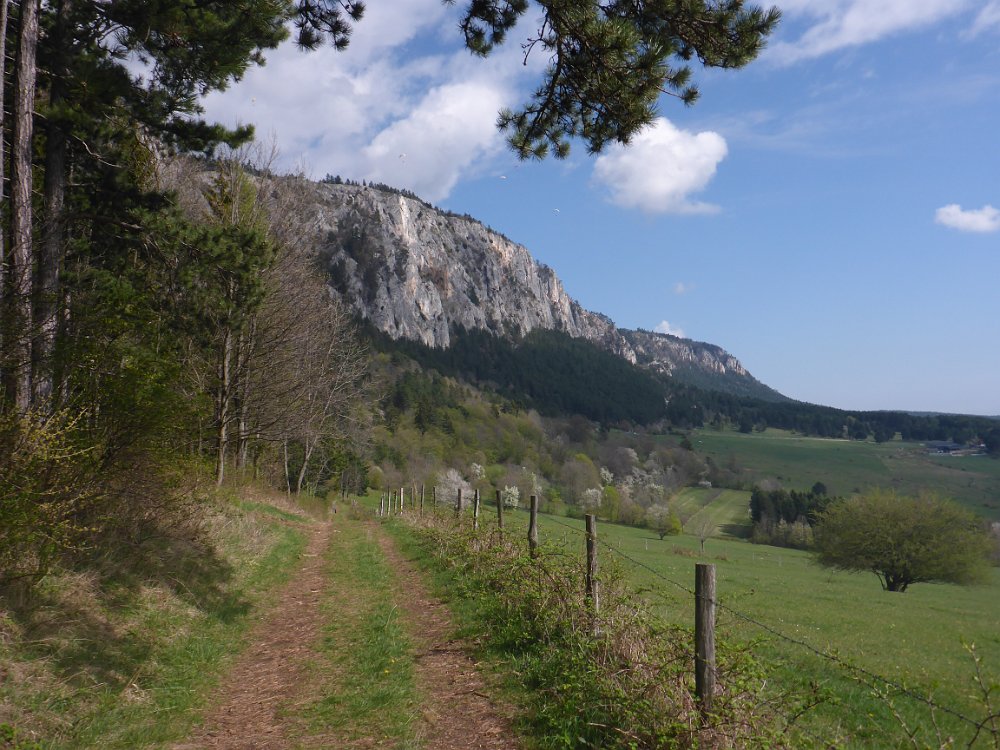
(253, 707)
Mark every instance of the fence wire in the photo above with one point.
(872, 681)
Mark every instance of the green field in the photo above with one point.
(847, 466)
(916, 639)
(728, 509)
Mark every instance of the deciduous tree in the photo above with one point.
(903, 540)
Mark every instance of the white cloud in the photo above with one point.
(681, 288)
(988, 18)
(665, 327)
(837, 24)
(452, 129)
(662, 166)
(401, 87)
(985, 219)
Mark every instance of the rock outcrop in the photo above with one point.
(416, 272)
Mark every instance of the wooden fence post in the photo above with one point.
(704, 635)
(402, 497)
(500, 512)
(434, 496)
(458, 504)
(591, 583)
(381, 505)
(421, 499)
(475, 511)
(533, 527)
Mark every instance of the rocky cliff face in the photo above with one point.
(664, 354)
(416, 272)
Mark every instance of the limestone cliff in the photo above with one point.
(416, 272)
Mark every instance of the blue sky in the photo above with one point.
(828, 214)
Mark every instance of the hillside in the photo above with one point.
(417, 273)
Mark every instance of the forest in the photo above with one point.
(159, 318)
(557, 375)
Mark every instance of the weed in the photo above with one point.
(617, 678)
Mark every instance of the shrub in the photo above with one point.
(617, 679)
(45, 486)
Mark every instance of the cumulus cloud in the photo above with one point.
(985, 219)
(451, 129)
(837, 24)
(681, 288)
(664, 327)
(401, 88)
(659, 170)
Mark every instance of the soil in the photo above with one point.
(247, 713)
(458, 713)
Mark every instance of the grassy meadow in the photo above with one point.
(788, 608)
(917, 640)
(847, 466)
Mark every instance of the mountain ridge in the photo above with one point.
(416, 272)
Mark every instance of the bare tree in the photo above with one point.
(702, 526)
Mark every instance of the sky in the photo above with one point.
(830, 214)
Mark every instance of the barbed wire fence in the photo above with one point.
(879, 685)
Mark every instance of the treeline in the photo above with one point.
(692, 407)
(559, 376)
(156, 318)
(453, 436)
(545, 370)
(786, 517)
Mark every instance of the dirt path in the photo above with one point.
(272, 667)
(272, 673)
(458, 713)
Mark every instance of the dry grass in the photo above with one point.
(121, 636)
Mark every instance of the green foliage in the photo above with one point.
(46, 484)
(663, 521)
(903, 540)
(785, 517)
(609, 64)
(546, 370)
(619, 679)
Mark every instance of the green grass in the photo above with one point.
(726, 509)
(916, 639)
(123, 656)
(364, 672)
(847, 466)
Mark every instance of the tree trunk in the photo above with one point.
(307, 450)
(244, 363)
(51, 243)
(223, 397)
(4, 7)
(288, 476)
(21, 216)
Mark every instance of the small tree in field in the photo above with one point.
(903, 540)
(663, 521)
